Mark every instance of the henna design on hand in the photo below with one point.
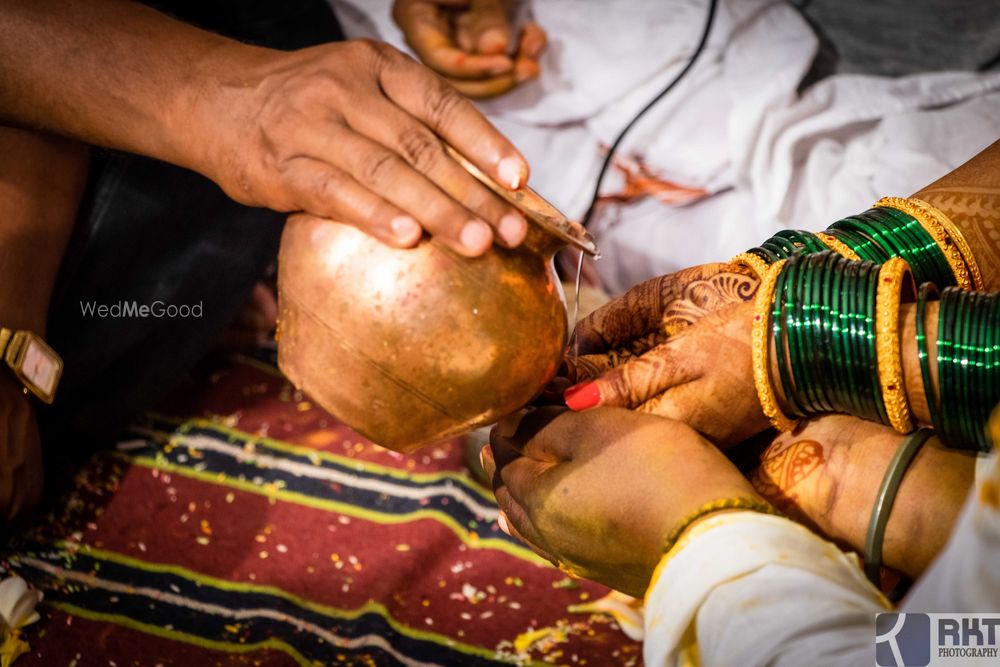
(704, 296)
(649, 313)
(970, 196)
(784, 467)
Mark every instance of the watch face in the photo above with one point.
(39, 367)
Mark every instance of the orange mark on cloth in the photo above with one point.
(643, 181)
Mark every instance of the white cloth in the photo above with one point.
(735, 126)
(750, 589)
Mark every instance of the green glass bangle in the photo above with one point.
(992, 375)
(859, 375)
(961, 368)
(870, 226)
(801, 366)
(847, 294)
(833, 296)
(765, 255)
(795, 294)
(946, 390)
(923, 250)
(803, 241)
(864, 246)
(981, 398)
(896, 238)
(825, 362)
(884, 500)
(779, 327)
(778, 247)
(871, 348)
(942, 274)
(922, 352)
(812, 349)
(973, 305)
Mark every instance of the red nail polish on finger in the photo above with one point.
(582, 396)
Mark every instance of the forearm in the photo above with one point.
(970, 196)
(110, 73)
(827, 475)
(41, 181)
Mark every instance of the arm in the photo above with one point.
(970, 196)
(350, 131)
(655, 379)
(827, 474)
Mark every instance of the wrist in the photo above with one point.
(202, 130)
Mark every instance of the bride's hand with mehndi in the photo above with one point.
(702, 376)
(650, 313)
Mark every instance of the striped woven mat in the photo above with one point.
(245, 526)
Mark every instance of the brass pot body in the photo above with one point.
(412, 346)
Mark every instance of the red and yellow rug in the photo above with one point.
(245, 526)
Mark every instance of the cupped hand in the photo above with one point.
(353, 131)
(598, 492)
(650, 313)
(468, 42)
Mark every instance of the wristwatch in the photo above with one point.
(35, 364)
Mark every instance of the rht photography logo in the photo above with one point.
(918, 640)
(134, 309)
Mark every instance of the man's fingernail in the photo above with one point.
(513, 172)
(502, 522)
(513, 228)
(476, 236)
(482, 459)
(582, 396)
(405, 228)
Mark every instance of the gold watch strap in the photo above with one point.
(14, 346)
(5, 337)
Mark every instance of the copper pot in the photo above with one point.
(412, 346)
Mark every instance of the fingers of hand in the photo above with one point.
(541, 435)
(328, 192)
(390, 176)
(428, 30)
(488, 27)
(514, 521)
(633, 383)
(424, 152)
(617, 323)
(589, 366)
(533, 41)
(485, 88)
(455, 119)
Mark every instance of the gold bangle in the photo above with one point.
(760, 348)
(978, 284)
(888, 351)
(833, 243)
(752, 262)
(949, 244)
(739, 503)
